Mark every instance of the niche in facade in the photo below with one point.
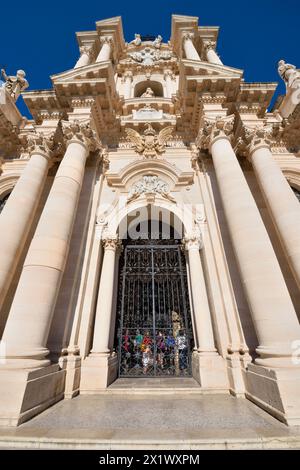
(141, 88)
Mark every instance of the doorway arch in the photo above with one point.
(154, 331)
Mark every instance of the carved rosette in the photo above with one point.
(193, 241)
(81, 132)
(213, 129)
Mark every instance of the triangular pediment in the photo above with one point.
(84, 74)
(206, 69)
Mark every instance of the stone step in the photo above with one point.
(157, 386)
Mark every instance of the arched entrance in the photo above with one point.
(154, 335)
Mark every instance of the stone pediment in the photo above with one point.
(90, 74)
(204, 70)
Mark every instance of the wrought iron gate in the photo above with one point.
(154, 333)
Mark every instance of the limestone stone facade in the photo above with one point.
(160, 126)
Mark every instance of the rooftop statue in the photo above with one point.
(15, 84)
(289, 74)
(157, 41)
(137, 40)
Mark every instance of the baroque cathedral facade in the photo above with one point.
(150, 223)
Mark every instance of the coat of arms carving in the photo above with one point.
(150, 144)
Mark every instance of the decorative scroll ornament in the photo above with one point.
(213, 128)
(82, 132)
(150, 144)
(149, 185)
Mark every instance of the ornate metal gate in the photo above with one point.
(154, 333)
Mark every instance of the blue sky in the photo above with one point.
(254, 34)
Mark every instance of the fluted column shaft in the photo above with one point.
(18, 213)
(281, 201)
(202, 315)
(189, 48)
(29, 320)
(105, 298)
(271, 307)
(105, 51)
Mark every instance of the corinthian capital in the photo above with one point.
(258, 137)
(87, 50)
(193, 240)
(187, 35)
(37, 142)
(111, 241)
(106, 40)
(82, 133)
(210, 45)
(214, 128)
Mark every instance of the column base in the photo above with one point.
(98, 372)
(236, 369)
(72, 365)
(277, 391)
(25, 393)
(210, 370)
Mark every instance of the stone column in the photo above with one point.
(271, 307)
(202, 316)
(189, 48)
(106, 49)
(29, 320)
(105, 297)
(19, 211)
(169, 76)
(211, 55)
(280, 199)
(127, 84)
(85, 58)
(100, 368)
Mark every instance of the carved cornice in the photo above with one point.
(81, 132)
(212, 129)
(193, 240)
(82, 102)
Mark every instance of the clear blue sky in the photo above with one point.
(39, 37)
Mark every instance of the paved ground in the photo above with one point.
(145, 421)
